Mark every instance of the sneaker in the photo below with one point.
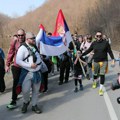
(94, 85)
(101, 92)
(76, 90)
(24, 107)
(12, 105)
(45, 91)
(36, 109)
(81, 87)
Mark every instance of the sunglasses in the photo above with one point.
(99, 36)
(20, 35)
(33, 38)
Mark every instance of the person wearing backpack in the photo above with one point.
(2, 70)
(11, 62)
(29, 59)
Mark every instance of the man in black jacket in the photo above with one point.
(100, 48)
(64, 67)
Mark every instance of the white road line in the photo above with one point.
(110, 108)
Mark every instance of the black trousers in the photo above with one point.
(2, 74)
(64, 70)
(16, 74)
(45, 79)
(2, 82)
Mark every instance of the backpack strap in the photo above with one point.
(28, 48)
(31, 53)
(36, 48)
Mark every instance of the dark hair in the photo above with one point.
(89, 37)
(49, 33)
(75, 32)
(15, 35)
(99, 31)
(80, 36)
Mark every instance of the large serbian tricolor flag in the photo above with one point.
(59, 41)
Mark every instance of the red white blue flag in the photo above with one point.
(59, 41)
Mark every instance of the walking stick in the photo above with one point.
(79, 59)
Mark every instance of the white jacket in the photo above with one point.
(22, 53)
(85, 46)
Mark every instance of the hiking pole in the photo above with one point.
(79, 59)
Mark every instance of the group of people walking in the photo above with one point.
(83, 53)
(95, 53)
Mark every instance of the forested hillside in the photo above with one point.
(83, 16)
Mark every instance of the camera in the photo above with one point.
(116, 85)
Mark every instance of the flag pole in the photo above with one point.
(80, 61)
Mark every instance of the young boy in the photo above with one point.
(78, 71)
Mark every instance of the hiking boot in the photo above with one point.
(36, 109)
(12, 105)
(101, 92)
(76, 90)
(81, 87)
(24, 107)
(94, 85)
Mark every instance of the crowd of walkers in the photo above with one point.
(86, 57)
(93, 52)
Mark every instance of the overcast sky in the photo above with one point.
(15, 8)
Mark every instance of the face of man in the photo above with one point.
(31, 41)
(21, 35)
(98, 36)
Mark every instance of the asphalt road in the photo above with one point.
(61, 103)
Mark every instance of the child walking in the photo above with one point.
(78, 71)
